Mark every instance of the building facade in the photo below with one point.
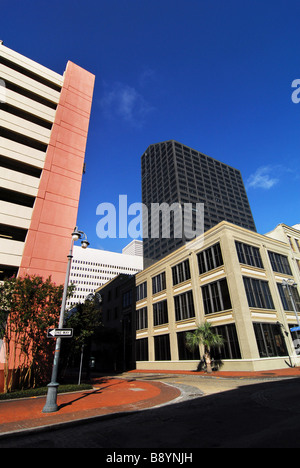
(92, 268)
(44, 126)
(134, 248)
(233, 280)
(289, 235)
(175, 173)
(114, 348)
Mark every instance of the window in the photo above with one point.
(184, 306)
(270, 340)
(141, 291)
(210, 259)
(291, 243)
(159, 283)
(181, 272)
(184, 353)
(162, 348)
(142, 318)
(231, 347)
(258, 293)
(286, 299)
(280, 263)
(142, 352)
(249, 255)
(127, 299)
(160, 313)
(216, 297)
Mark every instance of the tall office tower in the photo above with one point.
(44, 126)
(174, 173)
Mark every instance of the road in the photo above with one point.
(229, 413)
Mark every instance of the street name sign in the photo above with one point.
(60, 333)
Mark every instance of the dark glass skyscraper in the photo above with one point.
(175, 173)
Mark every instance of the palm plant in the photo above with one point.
(204, 336)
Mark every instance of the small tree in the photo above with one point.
(84, 319)
(28, 307)
(204, 336)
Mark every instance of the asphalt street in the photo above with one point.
(213, 413)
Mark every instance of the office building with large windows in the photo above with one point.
(44, 125)
(175, 173)
(246, 285)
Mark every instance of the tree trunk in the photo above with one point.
(208, 362)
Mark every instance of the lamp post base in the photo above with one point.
(51, 402)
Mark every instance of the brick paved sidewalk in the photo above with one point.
(109, 396)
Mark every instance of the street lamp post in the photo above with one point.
(288, 284)
(51, 402)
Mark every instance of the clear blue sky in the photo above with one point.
(214, 75)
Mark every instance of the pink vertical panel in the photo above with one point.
(55, 211)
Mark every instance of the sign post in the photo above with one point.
(51, 401)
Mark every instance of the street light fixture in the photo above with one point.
(51, 402)
(288, 284)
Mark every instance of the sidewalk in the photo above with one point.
(289, 372)
(110, 396)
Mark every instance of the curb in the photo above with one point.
(66, 424)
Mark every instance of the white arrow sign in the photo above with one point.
(60, 332)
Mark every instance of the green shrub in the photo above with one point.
(35, 392)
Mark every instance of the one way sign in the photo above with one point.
(60, 333)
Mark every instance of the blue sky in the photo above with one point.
(214, 75)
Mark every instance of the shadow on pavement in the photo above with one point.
(85, 395)
(264, 415)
